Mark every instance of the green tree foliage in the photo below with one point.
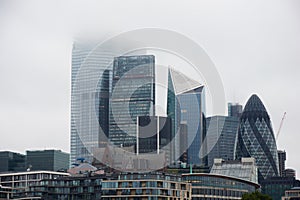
(256, 196)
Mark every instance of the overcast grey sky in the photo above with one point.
(254, 44)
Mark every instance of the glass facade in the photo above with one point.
(192, 114)
(133, 95)
(245, 169)
(173, 112)
(90, 85)
(52, 160)
(276, 186)
(12, 162)
(222, 133)
(256, 138)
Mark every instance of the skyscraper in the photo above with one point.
(133, 95)
(235, 110)
(281, 161)
(90, 81)
(256, 138)
(222, 132)
(192, 114)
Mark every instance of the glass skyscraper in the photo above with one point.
(133, 95)
(192, 114)
(256, 138)
(222, 132)
(90, 85)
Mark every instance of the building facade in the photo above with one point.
(292, 194)
(153, 185)
(146, 186)
(235, 110)
(133, 95)
(90, 87)
(215, 186)
(154, 135)
(245, 169)
(14, 185)
(275, 187)
(256, 138)
(72, 187)
(51, 160)
(281, 161)
(221, 136)
(12, 162)
(192, 114)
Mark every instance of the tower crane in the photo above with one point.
(280, 126)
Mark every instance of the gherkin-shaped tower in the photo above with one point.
(256, 138)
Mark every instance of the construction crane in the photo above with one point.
(281, 123)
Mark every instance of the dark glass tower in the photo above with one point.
(222, 131)
(133, 95)
(256, 138)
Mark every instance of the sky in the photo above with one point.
(254, 45)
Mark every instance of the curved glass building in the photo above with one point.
(256, 138)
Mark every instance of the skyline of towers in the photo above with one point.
(125, 89)
(256, 138)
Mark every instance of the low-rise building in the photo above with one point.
(12, 185)
(216, 186)
(275, 187)
(146, 186)
(244, 169)
(12, 162)
(292, 194)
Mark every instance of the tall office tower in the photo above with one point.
(235, 110)
(52, 160)
(133, 95)
(173, 112)
(222, 134)
(12, 162)
(154, 136)
(256, 138)
(91, 72)
(183, 142)
(192, 114)
(281, 161)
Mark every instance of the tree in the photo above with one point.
(256, 196)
